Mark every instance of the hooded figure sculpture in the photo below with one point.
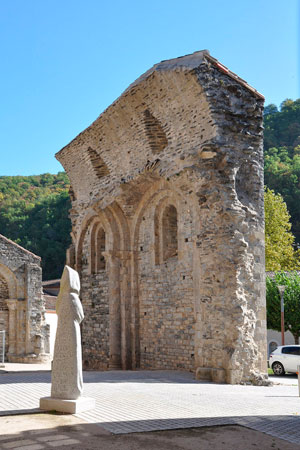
(67, 361)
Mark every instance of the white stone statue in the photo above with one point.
(67, 361)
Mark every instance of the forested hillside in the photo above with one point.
(34, 210)
(34, 213)
(282, 156)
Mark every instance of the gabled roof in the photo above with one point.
(147, 120)
(188, 62)
(5, 239)
(192, 61)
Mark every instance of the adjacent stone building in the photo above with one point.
(21, 304)
(168, 224)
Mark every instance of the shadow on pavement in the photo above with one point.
(43, 431)
(115, 376)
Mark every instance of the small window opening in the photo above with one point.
(169, 231)
(100, 260)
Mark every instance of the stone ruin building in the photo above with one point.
(21, 304)
(168, 224)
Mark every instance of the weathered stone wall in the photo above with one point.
(166, 286)
(95, 302)
(173, 176)
(22, 307)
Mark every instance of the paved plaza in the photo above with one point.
(139, 401)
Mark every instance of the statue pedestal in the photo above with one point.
(67, 406)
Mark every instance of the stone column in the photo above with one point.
(21, 326)
(135, 316)
(33, 294)
(125, 296)
(113, 264)
(12, 326)
(71, 256)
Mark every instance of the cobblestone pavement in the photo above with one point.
(128, 402)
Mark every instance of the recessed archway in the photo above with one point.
(8, 293)
(161, 287)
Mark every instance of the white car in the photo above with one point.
(285, 358)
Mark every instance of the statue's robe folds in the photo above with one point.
(67, 361)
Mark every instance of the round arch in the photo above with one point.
(98, 244)
(11, 281)
(156, 198)
(91, 221)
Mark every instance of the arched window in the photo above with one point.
(100, 248)
(97, 248)
(169, 233)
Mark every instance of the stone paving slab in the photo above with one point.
(23, 367)
(129, 402)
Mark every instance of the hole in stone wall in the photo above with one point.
(169, 232)
(155, 133)
(100, 167)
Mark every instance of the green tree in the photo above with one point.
(291, 303)
(282, 174)
(270, 109)
(282, 156)
(46, 232)
(279, 241)
(34, 213)
(282, 128)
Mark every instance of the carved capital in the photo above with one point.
(12, 304)
(108, 255)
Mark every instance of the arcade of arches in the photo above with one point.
(167, 225)
(125, 267)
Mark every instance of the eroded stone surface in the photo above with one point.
(169, 241)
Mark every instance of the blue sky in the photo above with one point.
(65, 61)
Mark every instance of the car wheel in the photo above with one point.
(278, 368)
